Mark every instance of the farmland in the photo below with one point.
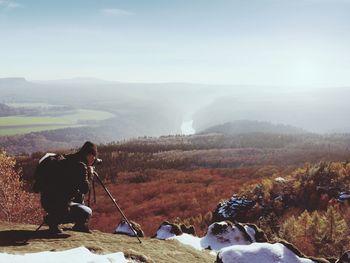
(12, 125)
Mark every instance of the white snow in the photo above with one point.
(280, 180)
(232, 247)
(76, 255)
(190, 240)
(228, 236)
(344, 195)
(260, 253)
(251, 232)
(124, 228)
(164, 232)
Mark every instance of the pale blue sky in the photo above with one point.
(260, 42)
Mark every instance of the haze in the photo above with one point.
(279, 43)
(166, 67)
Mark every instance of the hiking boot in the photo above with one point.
(54, 230)
(81, 228)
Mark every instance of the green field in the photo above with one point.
(25, 124)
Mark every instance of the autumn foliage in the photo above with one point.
(16, 204)
(321, 233)
(295, 184)
(302, 207)
(158, 195)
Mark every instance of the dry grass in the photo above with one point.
(151, 250)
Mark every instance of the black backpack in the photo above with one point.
(48, 172)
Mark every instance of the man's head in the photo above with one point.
(88, 152)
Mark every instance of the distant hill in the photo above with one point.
(157, 109)
(319, 110)
(246, 126)
(12, 81)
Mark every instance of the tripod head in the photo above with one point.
(97, 162)
(92, 168)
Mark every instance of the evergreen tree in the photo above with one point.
(315, 230)
(303, 224)
(335, 232)
(288, 230)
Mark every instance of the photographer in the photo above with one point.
(65, 203)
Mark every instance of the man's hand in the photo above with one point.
(90, 172)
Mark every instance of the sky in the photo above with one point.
(299, 43)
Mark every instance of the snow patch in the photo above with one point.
(164, 232)
(251, 232)
(124, 228)
(260, 253)
(343, 196)
(229, 209)
(280, 180)
(222, 234)
(76, 255)
(189, 240)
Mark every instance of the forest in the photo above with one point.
(294, 182)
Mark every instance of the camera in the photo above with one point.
(97, 162)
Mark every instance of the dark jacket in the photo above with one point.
(77, 171)
(70, 186)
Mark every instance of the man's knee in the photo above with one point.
(80, 212)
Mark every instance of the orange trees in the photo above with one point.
(317, 233)
(16, 205)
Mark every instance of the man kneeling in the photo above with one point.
(64, 199)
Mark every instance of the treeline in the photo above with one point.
(111, 130)
(40, 141)
(191, 152)
(6, 111)
(244, 140)
(247, 126)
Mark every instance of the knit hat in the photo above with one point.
(88, 148)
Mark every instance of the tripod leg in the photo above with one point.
(36, 230)
(89, 196)
(117, 206)
(93, 189)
